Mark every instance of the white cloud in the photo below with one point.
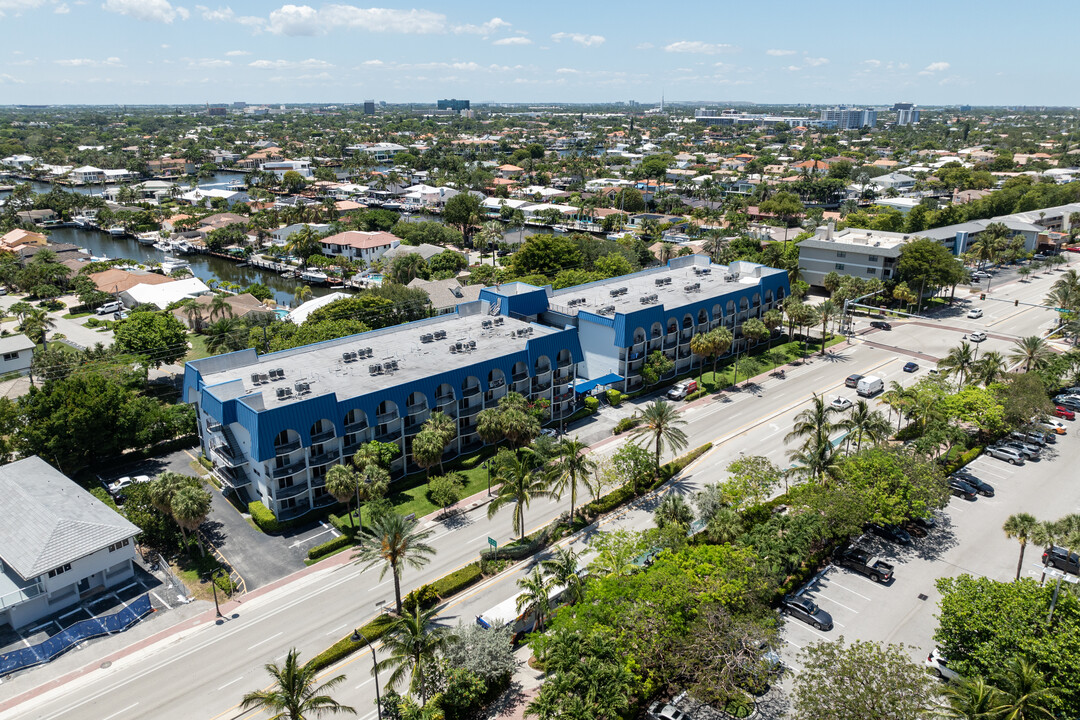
(207, 62)
(87, 62)
(872, 63)
(288, 64)
(516, 40)
(644, 46)
(373, 63)
(793, 68)
(696, 46)
(17, 6)
(226, 14)
(567, 71)
(237, 53)
(934, 67)
(304, 20)
(6, 79)
(148, 10)
(579, 38)
(487, 28)
(779, 53)
(815, 62)
(62, 9)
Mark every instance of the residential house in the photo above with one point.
(424, 250)
(381, 152)
(115, 280)
(87, 175)
(894, 181)
(358, 245)
(509, 172)
(282, 235)
(44, 217)
(18, 238)
(204, 197)
(18, 161)
(163, 294)
(58, 543)
(171, 167)
(857, 252)
(446, 295)
(16, 354)
(280, 167)
(244, 305)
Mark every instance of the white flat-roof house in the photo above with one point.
(58, 543)
(280, 167)
(381, 152)
(16, 354)
(87, 174)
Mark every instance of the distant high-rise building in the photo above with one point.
(369, 107)
(847, 118)
(453, 104)
(217, 109)
(239, 105)
(906, 113)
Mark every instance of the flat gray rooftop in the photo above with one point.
(711, 281)
(325, 370)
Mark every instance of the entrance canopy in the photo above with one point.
(589, 385)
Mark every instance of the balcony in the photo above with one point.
(496, 383)
(234, 478)
(323, 458)
(518, 377)
(294, 512)
(493, 396)
(522, 386)
(685, 336)
(542, 371)
(224, 455)
(318, 482)
(539, 387)
(214, 427)
(325, 501)
(292, 491)
(16, 597)
(387, 417)
(470, 391)
(564, 376)
(288, 470)
(323, 435)
(471, 410)
(383, 432)
(443, 400)
(356, 427)
(416, 409)
(287, 448)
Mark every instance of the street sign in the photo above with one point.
(492, 543)
(1061, 310)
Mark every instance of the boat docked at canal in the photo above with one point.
(311, 276)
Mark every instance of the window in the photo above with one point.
(871, 271)
(839, 266)
(117, 545)
(8, 357)
(841, 253)
(872, 258)
(60, 570)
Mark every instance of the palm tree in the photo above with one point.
(394, 541)
(990, 368)
(961, 360)
(220, 307)
(521, 482)
(704, 345)
(411, 647)
(36, 324)
(1023, 694)
(1021, 526)
(572, 466)
(342, 482)
(490, 234)
(294, 694)
(562, 569)
(863, 423)
(190, 506)
(407, 268)
(225, 336)
(534, 596)
(660, 426)
(1046, 533)
(303, 244)
(969, 699)
(724, 339)
(816, 461)
(827, 312)
(193, 312)
(813, 422)
(1031, 352)
(673, 510)
(725, 527)
(898, 398)
(302, 294)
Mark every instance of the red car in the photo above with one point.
(1072, 248)
(1064, 413)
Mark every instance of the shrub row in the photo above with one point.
(331, 546)
(345, 647)
(961, 459)
(458, 580)
(671, 469)
(263, 518)
(592, 403)
(614, 397)
(697, 394)
(625, 424)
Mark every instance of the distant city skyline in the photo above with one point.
(164, 52)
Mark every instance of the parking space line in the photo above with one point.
(834, 602)
(815, 632)
(831, 583)
(794, 644)
(167, 605)
(73, 612)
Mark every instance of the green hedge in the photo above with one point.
(458, 580)
(697, 394)
(579, 414)
(669, 470)
(345, 647)
(261, 516)
(625, 424)
(592, 403)
(609, 502)
(614, 397)
(959, 460)
(474, 460)
(320, 551)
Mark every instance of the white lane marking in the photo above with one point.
(231, 682)
(376, 587)
(262, 642)
(834, 602)
(366, 682)
(833, 583)
(337, 629)
(120, 712)
(811, 630)
(793, 643)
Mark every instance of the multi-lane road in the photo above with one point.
(201, 671)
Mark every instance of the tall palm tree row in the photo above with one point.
(1031, 353)
(572, 466)
(523, 479)
(864, 424)
(394, 541)
(960, 360)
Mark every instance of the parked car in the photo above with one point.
(892, 533)
(1068, 402)
(126, 482)
(961, 489)
(881, 325)
(840, 403)
(975, 313)
(862, 561)
(1031, 438)
(937, 665)
(1051, 425)
(980, 275)
(852, 381)
(805, 610)
(1062, 559)
(911, 367)
(977, 337)
(682, 389)
(1008, 454)
(921, 526)
(1064, 412)
(983, 488)
(660, 710)
(1038, 256)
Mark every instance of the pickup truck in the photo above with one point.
(862, 561)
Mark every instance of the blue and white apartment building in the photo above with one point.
(274, 424)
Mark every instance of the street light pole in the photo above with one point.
(357, 636)
(213, 577)
(487, 465)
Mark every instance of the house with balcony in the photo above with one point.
(59, 544)
(273, 425)
(359, 245)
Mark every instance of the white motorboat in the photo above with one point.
(171, 264)
(163, 245)
(183, 247)
(117, 231)
(83, 221)
(313, 276)
(148, 238)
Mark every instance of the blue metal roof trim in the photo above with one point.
(596, 319)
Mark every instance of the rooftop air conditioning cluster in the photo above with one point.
(267, 377)
(440, 334)
(499, 320)
(521, 332)
(380, 368)
(427, 337)
(365, 352)
(660, 282)
(462, 346)
(302, 387)
(692, 287)
(606, 310)
(648, 299)
(350, 356)
(731, 277)
(702, 270)
(284, 393)
(574, 302)
(485, 323)
(616, 292)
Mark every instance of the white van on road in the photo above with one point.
(869, 386)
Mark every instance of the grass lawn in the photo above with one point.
(761, 361)
(75, 316)
(192, 569)
(198, 347)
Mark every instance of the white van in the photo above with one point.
(110, 307)
(869, 386)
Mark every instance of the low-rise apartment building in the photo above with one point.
(853, 251)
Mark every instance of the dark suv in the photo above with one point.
(881, 325)
(852, 381)
(1062, 559)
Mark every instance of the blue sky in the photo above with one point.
(162, 51)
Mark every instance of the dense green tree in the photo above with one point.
(158, 337)
(926, 263)
(545, 255)
(463, 211)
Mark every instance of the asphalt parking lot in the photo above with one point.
(968, 539)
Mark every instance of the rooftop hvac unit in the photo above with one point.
(644, 299)
(659, 281)
(255, 379)
(427, 337)
(378, 367)
(607, 309)
(288, 392)
(472, 346)
(280, 374)
(264, 378)
(654, 298)
(281, 393)
(706, 271)
(453, 348)
(440, 334)
(498, 321)
(298, 386)
(459, 346)
(623, 291)
(613, 293)
(485, 323)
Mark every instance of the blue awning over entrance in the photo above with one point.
(590, 385)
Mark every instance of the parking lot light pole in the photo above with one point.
(357, 636)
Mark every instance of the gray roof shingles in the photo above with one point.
(46, 520)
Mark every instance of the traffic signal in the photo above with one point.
(982, 296)
(1016, 303)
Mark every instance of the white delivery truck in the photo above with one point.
(869, 386)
